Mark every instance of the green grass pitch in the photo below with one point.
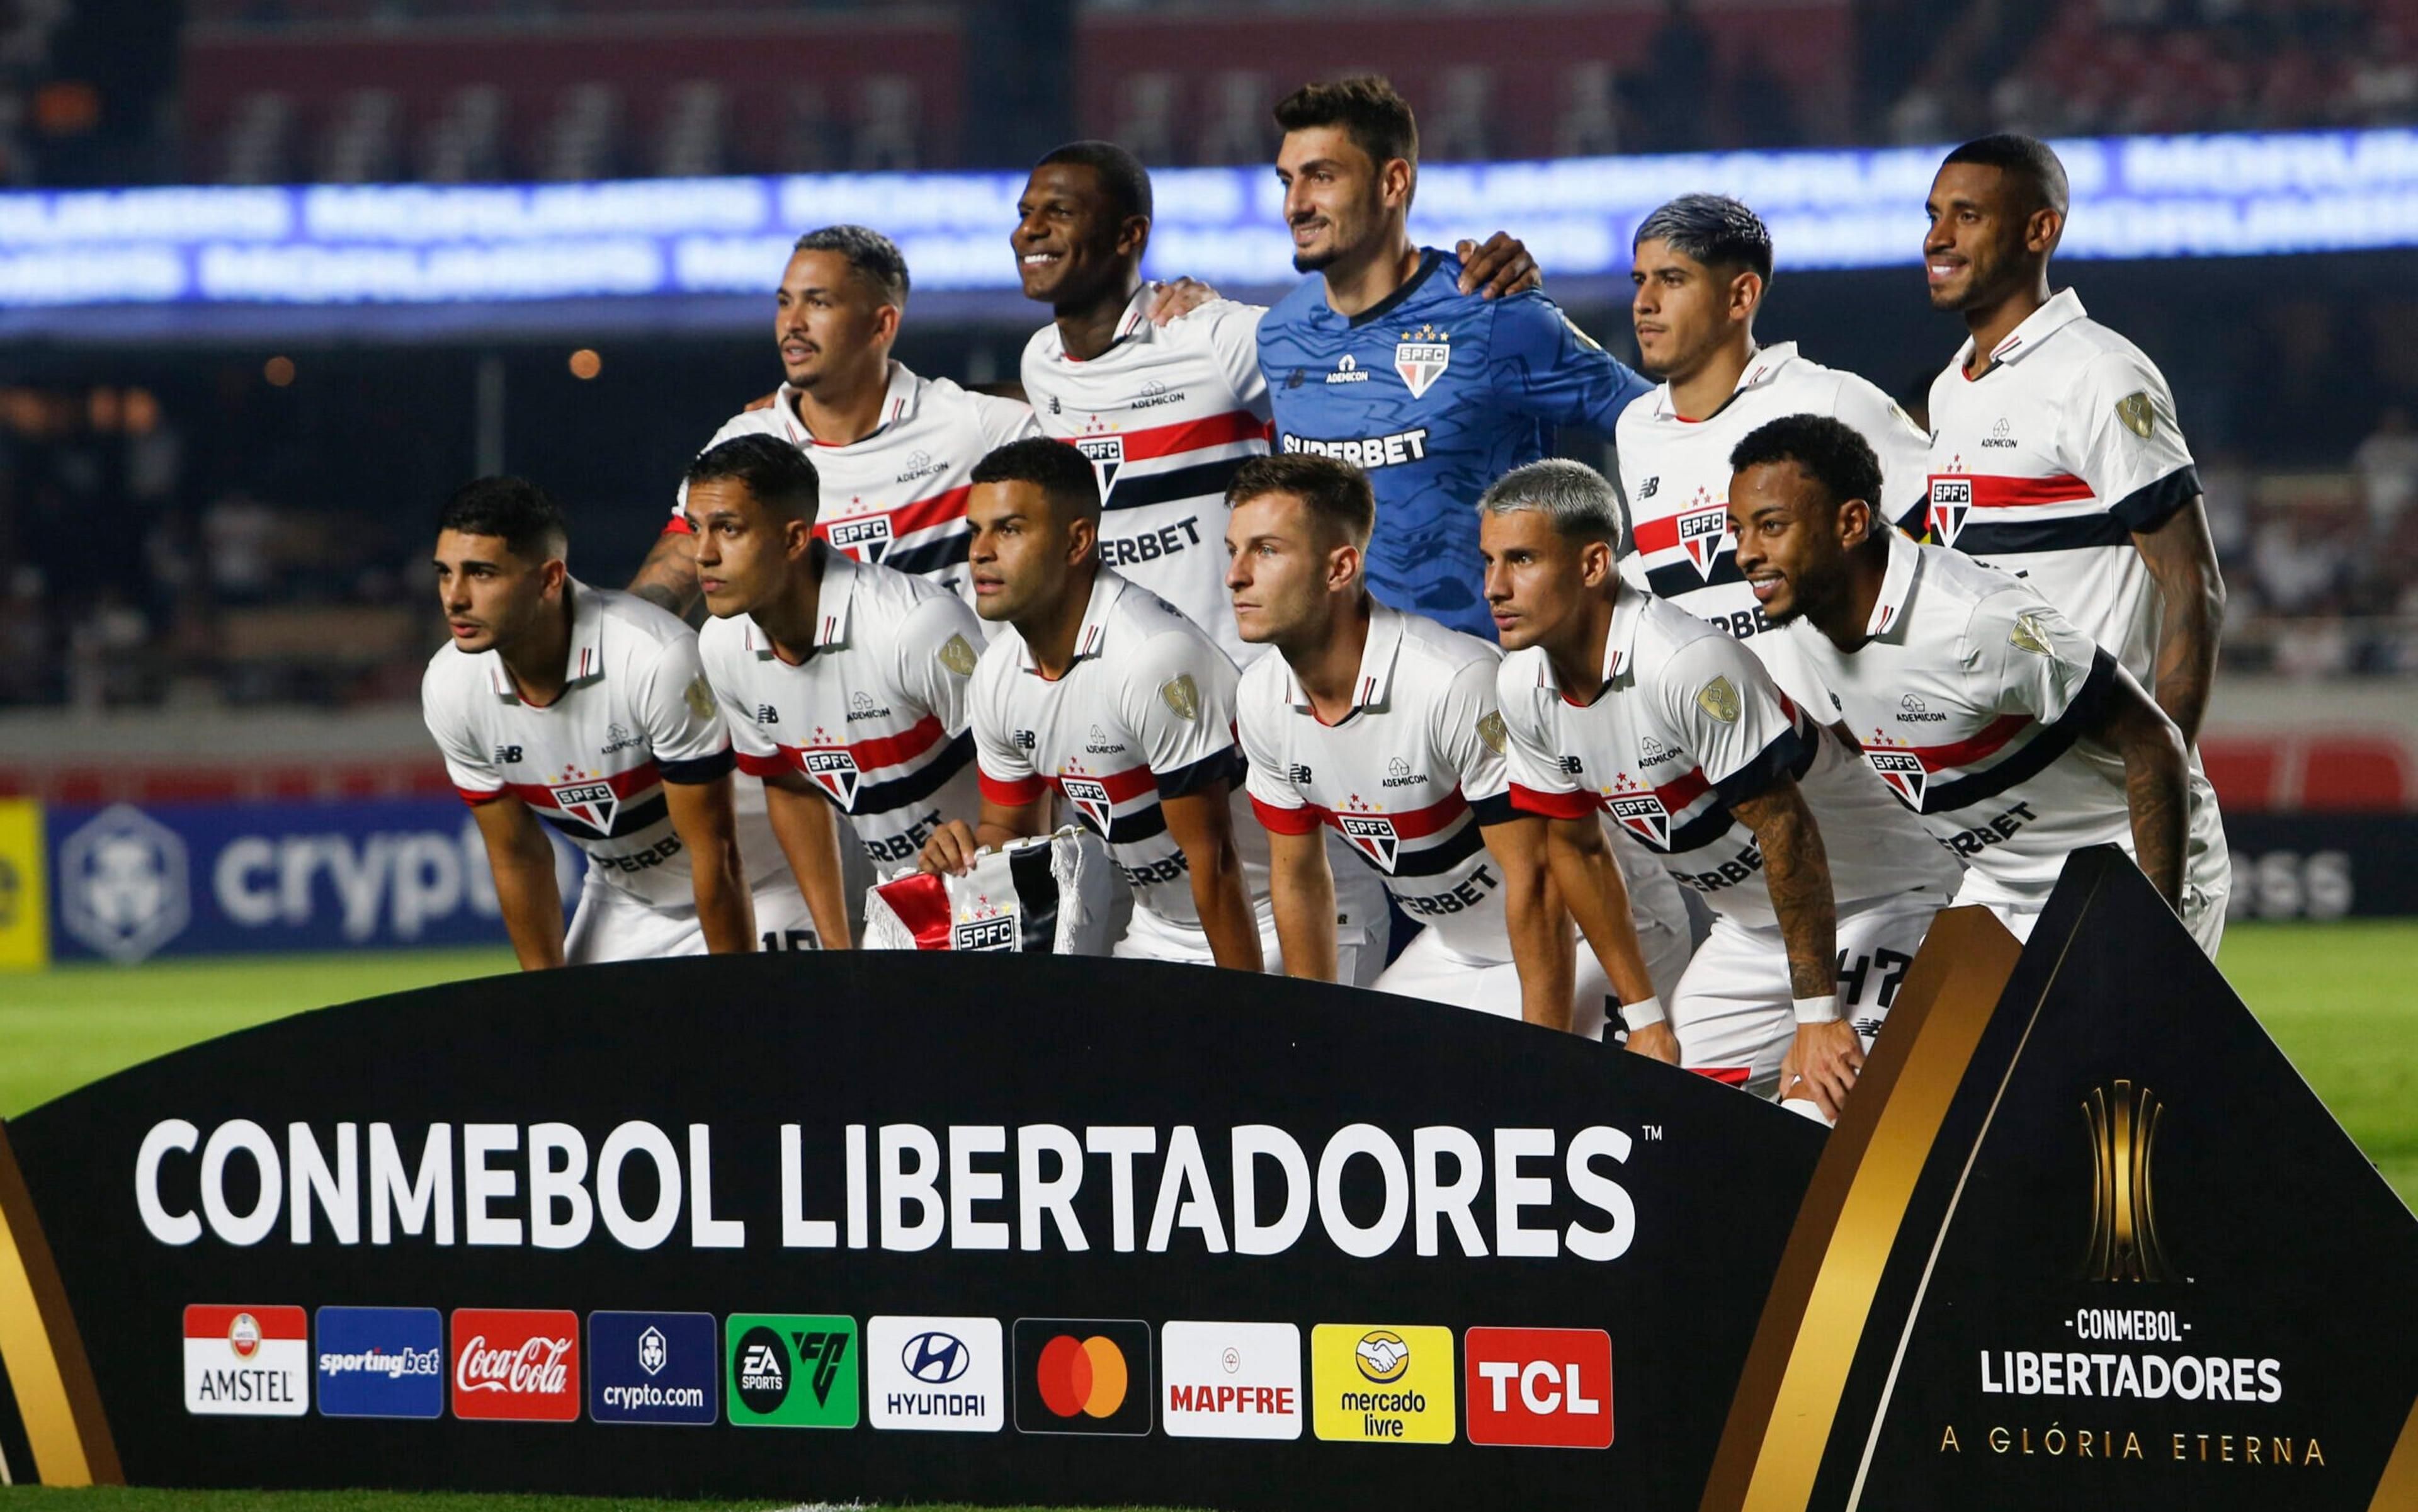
(2331, 994)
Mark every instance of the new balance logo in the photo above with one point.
(1297, 774)
(1571, 766)
(506, 755)
(1649, 488)
(766, 714)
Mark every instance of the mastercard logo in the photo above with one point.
(1085, 1377)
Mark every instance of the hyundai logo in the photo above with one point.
(935, 1358)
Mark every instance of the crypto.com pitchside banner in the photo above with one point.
(896, 1226)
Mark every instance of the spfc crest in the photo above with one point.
(1422, 364)
(1374, 836)
(1704, 534)
(1090, 798)
(867, 540)
(835, 771)
(592, 803)
(1644, 815)
(1951, 499)
(994, 931)
(1903, 772)
(1106, 453)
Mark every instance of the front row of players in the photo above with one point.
(1620, 751)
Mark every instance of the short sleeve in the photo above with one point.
(1281, 806)
(720, 655)
(1231, 332)
(1903, 450)
(1548, 368)
(1532, 768)
(683, 722)
(2026, 658)
(1467, 731)
(1732, 716)
(1177, 702)
(468, 766)
(939, 643)
(1002, 420)
(1002, 767)
(2131, 448)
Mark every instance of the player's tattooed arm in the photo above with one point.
(2181, 558)
(1201, 823)
(809, 837)
(1539, 927)
(1587, 875)
(667, 578)
(1501, 267)
(708, 828)
(1301, 894)
(2157, 775)
(522, 861)
(1822, 1062)
(953, 846)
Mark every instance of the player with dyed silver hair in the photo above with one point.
(1621, 706)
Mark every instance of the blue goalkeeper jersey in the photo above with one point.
(1435, 393)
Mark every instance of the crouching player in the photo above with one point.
(1382, 725)
(588, 710)
(844, 681)
(1622, 706)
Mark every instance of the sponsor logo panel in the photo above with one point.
(381, 1361)
(511, 1365)
(1382, 1384)
(651, 1368)
(1544, 1388)
(1230, 1381)
(1083, 1375)
(936, 1374)
(791, 1370)
(247, 1362)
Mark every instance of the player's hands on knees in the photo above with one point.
(951, 849)
(1656, 1042)
(1822, 1064)
(1179, 298)
(1499, 268)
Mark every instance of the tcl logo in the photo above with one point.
(1547, 1388)
(515, 1364)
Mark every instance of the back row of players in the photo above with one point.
(931, 615)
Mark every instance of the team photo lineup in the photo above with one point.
(1280, 639)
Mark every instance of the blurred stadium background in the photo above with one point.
(275, 275)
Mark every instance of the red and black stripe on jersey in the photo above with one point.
(1973, 525)
(2010, 749)
(1695, 810)
(892, 771)
(637, 794)
(1427, 842)
(1130, 798)
(1675, 580)
(1134, 488)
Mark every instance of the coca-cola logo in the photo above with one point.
(540, 1365)
(509, 1364)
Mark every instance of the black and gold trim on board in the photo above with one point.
(43, 1353)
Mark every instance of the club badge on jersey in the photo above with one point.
(1032, 896)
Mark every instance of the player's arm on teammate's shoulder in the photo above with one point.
(2157, 775)
(522, 860)
(808, 833)
(708, 826)
(1501, 265)
(667, 578)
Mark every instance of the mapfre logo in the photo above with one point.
(517, 1365)
(1544, 1388)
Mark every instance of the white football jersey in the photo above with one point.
(1166, 415)
(2044, 466)
(875, 717)
(898, 497)
(635, 713)
(1676, 475)
(1968, 700)
(1145, 711)
(1685, 723)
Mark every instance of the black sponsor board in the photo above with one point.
(2136, 1262)
(1060, 1140)
(2322, 866)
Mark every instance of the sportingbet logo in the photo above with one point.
(789, 1370)
(247, 1362)
(1548, 1389)
(517, 1365)
(381, 1361)
(867, 540)
(651, 1368)
(1230, 1381)
(936, 1374)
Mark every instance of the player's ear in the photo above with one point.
(2042, 228)
(1082, 538)
(554, 577)
(1133, 236)
(1746, 292)
(1342, 566)
(797, 537)
(1595, 563)
(1396, 178)
(1855, 523)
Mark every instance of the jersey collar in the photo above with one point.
(834, 600)
(897, 403)
(1897, 585)
(1760, 369)
(582, 663)
(2063, 309)
(1619, 646)
(1134, 324)
(1373, 687)
(1091, 638)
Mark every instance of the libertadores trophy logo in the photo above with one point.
(2123, 1122)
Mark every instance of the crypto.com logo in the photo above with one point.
(123, 883)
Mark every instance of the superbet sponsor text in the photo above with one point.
(1515, 1193)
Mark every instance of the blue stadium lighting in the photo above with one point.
(326, 245)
